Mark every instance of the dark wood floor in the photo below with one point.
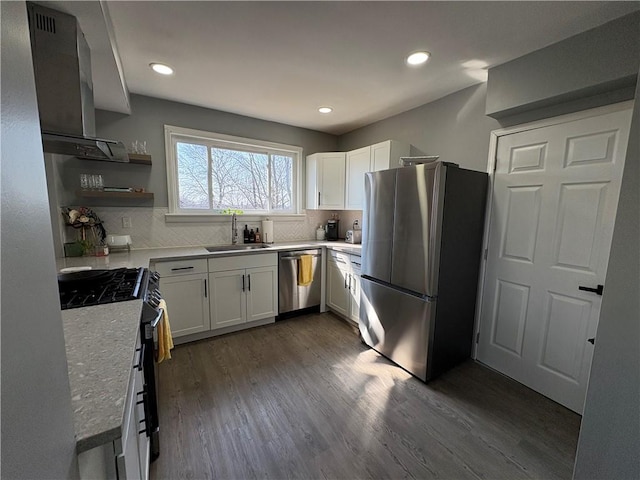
(305, 399)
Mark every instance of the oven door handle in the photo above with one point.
(156, 320)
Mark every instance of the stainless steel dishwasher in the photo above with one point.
(291, 296)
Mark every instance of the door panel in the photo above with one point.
(521, 225)
(579, 216)
(510, 316)
(187, 303)
(228, 299)
(564, 317)
(262, 299)
(554, 199)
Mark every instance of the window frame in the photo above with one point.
(174, 134)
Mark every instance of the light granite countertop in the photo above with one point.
(143, 257)
(100, 343)
(100, 340)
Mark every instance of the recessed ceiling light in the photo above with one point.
(418, 58)
(161, 68)
(325, 109)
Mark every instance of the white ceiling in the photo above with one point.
(280, 61)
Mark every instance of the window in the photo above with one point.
(209, 173)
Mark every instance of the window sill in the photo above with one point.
(217, 218)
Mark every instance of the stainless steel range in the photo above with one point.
(98, 287)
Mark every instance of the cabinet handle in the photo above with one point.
(249, 279)
(349, 282)
(181, 268)
(345, 280)
(318, 198)
(205, 288)
(243, 283)
(138, 366)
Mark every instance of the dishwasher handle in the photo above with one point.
(293, 257)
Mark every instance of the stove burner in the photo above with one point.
(124, 284)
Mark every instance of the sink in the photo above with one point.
(236, 248)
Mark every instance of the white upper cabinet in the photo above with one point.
(335, 181)
(386, 155)
(358, 163)
(326, 181)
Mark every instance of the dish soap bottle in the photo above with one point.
(252, 236)
(258, 237)
(320, 234)
(246, 234)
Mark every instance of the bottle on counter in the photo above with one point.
(258, 236)
(252, 236)
(246, 234)
(320, 233)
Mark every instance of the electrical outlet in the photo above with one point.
(126, 222)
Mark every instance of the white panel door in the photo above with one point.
(228, 298)
(187, 302)
(331, 181)
(337, 288)
(554, 201)
(262, 293)
(358, 163)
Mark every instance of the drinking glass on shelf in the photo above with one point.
(84, 181)
(99, 182)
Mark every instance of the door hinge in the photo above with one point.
(477, 337)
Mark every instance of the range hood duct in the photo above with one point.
(62, 67)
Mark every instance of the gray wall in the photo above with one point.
(609, 444)
(454, 127)
(37, 424)
(599, 60)
(149, 115)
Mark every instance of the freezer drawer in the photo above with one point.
(397, 325)
(292, 296)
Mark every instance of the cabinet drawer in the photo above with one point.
(181, 267)
(340, 258)
(243, 261)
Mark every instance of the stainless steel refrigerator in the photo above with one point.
(421, 249)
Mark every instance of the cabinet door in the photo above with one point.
(262, 294)
(354, 292)
(331, 173)
(358, 163)
(386, 155)
(227, 298)
(337, 288)
(187, 302)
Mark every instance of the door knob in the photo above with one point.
(598, 290)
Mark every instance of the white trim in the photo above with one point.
(491, 163)
(242, 143)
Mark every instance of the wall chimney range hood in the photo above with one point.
(62, 67)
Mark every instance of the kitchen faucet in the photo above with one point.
(234, 229)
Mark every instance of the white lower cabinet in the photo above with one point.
(243, 295)
(343, 284)
(184, 287)
(354, 290)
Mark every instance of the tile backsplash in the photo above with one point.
(150, 230)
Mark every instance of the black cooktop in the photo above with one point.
(115, 286)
